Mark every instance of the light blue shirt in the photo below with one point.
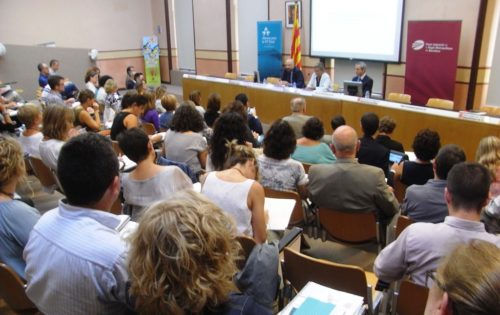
(76, 263)
(317, 154)
(16, 222)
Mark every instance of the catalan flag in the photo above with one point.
(295, 51)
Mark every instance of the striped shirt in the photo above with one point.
(76, 263)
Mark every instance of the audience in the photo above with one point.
(132, 108)
(277, 170)
(213, 109)
(460, 289)
(228, 127)
(6, 122)
(148, 182)
(87, 113)
(253, 122)
(111, 101)
(57, 125)
(309, 147)
(385, 130)
(240, 109)
(183, 141)
(101, 93)
(183, 258)
(130, 80)
(337, 121)
(425, 145)
(150, 113)
(16, 217)
(169, 103)
(31, 116)
(54, 66)
(92, 80)
(420, 246)
(43, 78)
(370, 152)
(347, 185)
(75, 257)
(159, 93)
(488, 154)
(298, 117)
(53, 95)
(195, 97)
(426, 203)
(238, 180)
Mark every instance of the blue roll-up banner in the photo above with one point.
(270, 48)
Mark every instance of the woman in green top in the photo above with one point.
(309, 148)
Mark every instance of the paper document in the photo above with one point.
(279, 211)
(128, 163)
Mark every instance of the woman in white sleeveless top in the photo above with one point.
(235, 191)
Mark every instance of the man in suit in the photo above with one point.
(371, 152)
(361, 76)
(292, 74)
(347, 185)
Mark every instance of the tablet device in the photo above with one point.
(396, 156)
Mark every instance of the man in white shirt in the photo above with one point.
(53, 67)
(75, 257)
(419, 248)
(320, 80)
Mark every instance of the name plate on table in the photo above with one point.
(472, 116)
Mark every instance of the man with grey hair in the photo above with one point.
(349, 186)
(298, 117)
(361, 76)
(292, 75)
(320, 80)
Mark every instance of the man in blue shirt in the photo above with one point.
(43, 78)
(75, 256)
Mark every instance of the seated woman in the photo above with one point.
(213, 108)
(182, 260)
(169, 103)
(160, 92)
(426, 146)
(488, 154)
(111, 101)
(385, 130)
(31, 116)
(87, 113)
(236, 191)
(92, 80)
(149, 182)
(239, 108)
(150, 113)
(132, 108)
(56, 129)
(183, 143)
(467, 281)
(277, 170)
(228, 127)
(309, 148)
(195, 97)
(16, 218)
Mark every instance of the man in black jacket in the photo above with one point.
(292, 74)
(361, 76)
(371, 152)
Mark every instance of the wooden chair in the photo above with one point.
(298, 269)
(348, 227)
(440, 103)
(399, 98)
(298, 214)
(12, 292)
(42, 172)
(411, 299)
(247, 244)
(399, 188)
(402, 223)
(231, 76)
(490, 110)
(149, 128)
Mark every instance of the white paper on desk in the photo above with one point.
(279, 211)
(129, 164)
(197, 187)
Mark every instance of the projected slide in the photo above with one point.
(357, 29)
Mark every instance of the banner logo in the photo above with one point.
(418, 44)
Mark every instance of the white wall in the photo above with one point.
(249, 12)
(493, 97)
(184, 33)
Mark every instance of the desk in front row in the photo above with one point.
(272, 102)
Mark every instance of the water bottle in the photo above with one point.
(367, 94)
(294, 85)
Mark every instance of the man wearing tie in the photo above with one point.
(292, 74)
(319, 79)
(360, 69)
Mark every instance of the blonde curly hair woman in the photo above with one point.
(182, 260)
(16, 217)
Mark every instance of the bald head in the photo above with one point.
(298, 105)
(289, 64)
(345, 142)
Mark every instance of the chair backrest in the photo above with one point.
(348, 227)
(399, 189)
(306, 166)
(12, 291)
(42, 172)
(399, 97)
(298, 269)
(402, 223)
(297, 216)
(231, 76)
(247, 244)
(490, 110)
(411, 299)
(440, 103)
(149, 128)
